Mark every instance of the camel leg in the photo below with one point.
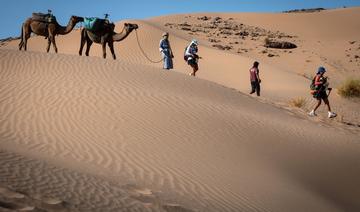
(48, 45)
(25, 44)
(111, 46)
(82, 41)
(21, 44)
(26, 36)
(103, 44)
(22, 38)
(54, 43)
(88, 45)
(25, 41)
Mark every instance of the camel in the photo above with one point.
(104, 36)
(48, 30)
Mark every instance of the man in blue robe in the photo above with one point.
(166, 51)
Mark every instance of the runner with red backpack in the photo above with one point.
(319, 87)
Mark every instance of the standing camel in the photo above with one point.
(48, 30)
(106, 35)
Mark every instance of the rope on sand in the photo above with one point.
(143, 52)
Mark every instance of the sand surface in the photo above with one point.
(88, 134)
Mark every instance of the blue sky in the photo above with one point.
(14, 12)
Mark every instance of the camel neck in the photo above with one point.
(122, 35)
(66, 29)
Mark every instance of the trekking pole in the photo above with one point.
(330, 89)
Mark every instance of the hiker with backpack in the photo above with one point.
(166, 51)
(319, 87)
(255, 79)
(191, 57)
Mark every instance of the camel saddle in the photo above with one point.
(96, 24)
(42, 17)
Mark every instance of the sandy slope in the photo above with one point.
(234, 75)
(173, 138)
(329, 38)
(323, 39)
(87, 134)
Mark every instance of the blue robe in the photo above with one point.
(166, 52)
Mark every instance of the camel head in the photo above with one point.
(76, 19)
(131, 27)
(128, 28)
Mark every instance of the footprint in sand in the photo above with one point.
(145, 191)
(145, 196)
(175, 208)
(12, 200)
(150, 199)
(29, 208)
(10, 194)
(50, 203)
(136, 191)
(9, 200)
(15, 206)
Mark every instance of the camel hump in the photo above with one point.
(96, 24)
(43, 17)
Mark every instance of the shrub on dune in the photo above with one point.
(350, 88)
(297, 102)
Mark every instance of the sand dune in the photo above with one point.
(88, 134)
(210, 150)
(322, 37)
(321, 42)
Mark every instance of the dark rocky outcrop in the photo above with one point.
(279, 44)
(204, 18)
(221, 47)
(214, 40)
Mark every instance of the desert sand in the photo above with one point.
(92, 134)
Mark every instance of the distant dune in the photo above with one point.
(88, 134)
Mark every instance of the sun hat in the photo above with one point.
(321, 70)
(165, 34)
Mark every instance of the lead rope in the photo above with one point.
(143, 52)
